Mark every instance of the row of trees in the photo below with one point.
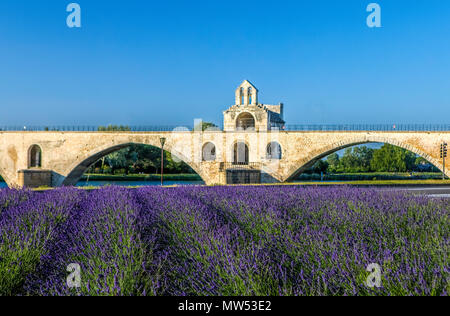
(137, 159)
(360, 159)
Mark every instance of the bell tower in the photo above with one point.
(246, 94)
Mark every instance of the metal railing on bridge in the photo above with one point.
(183, 128)
(369, 127)
(153, 128)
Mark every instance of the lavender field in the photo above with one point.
(223, 241)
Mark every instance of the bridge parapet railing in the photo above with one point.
(123, 128)
(182, 128)
(369, 127)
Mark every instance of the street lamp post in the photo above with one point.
(163, 142)
(443, 156)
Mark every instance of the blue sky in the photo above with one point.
(168, 62)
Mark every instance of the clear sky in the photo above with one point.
(149, 62)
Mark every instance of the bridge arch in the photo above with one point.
(302, 164)
(77, 169)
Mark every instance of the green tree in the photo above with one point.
(348, 161)
(118, 160)
(320, 166)
(364, 156)
(205, 126)
(390, 158)
(333, 162)
(356, 159)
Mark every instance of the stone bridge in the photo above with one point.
(254, 146)
(60, 158)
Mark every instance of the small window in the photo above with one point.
(209, 152)
(250, 94)
(35, 157)
(274, 151)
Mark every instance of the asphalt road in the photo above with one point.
(427, 190)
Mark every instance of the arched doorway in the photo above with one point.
(240, 154)
(35, 157)
(245, 122)
(242, 170)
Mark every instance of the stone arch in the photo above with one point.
(34, 156)
(245, 122)
(305, 163)
(209, 152)
(77, 169)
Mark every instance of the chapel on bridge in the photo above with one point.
(247, 114)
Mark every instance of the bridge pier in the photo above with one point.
(34, 178)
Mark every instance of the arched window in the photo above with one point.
(242, 96)
(245, 121)
(274, 151)
(35, 157)
(250, 94)
(209, 152)
(240, 154)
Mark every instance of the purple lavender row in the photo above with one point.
(26, 227)
(102, 238)
(10, 198)
(204, 256)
